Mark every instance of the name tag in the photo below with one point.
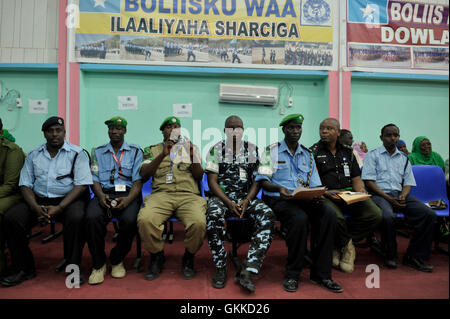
(242, 174)
(120, 188)
(346, 171)
(169, 178)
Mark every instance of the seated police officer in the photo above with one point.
(11, 162)
(176, 170)
(53, 182)
(339, 170)
(285, 166)
(117, 188)
(388, 175)
(231, 166)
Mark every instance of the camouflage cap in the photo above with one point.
(116, 121)
(170, 120)
(296, 118)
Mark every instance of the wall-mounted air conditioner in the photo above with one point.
(248, 94)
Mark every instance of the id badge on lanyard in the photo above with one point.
(119, 187)
(346, 168)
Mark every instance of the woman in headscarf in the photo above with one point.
(360, 149)
(422, 153)
(401, 145)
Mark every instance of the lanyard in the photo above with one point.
(173, 157)
(118, 161)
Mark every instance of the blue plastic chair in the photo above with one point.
(430, 182)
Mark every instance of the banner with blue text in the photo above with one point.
(245, 33)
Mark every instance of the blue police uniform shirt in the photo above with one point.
(40, 170)
(387, 171)
(276, 166)
(103, 163)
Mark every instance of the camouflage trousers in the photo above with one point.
(263, 220)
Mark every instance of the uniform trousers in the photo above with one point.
(263, 220)
(6, 203)
(420, 217)
(20, 219)
(96, 221)
(190, 208)
(363, 218)
(294, 217)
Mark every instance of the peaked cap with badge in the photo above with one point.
(117, 121)
(169, 120)
(54, 120)
(295, 118)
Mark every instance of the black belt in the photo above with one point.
(113, 191)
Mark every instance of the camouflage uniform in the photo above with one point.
(235, 177)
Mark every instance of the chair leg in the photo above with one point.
(170, 232)
(164, 234)
(61, 266)
(53, 234)
(116, 232)
(234, 255)
(139, 253)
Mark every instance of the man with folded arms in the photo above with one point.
(388, 175)
(285, 166)
(339, 170)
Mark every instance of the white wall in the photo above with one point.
(28, 31)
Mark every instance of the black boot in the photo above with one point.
(244, 278)
(187, 270)
(220, 278)
(156, 264)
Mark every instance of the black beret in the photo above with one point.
(52, 121)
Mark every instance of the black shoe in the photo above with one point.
(17, 278)
(187, 269)
(244, 278)
(416, 263)
(328, 284)
(156, 264)
(290, 285)
(220, 278)
(390, 263)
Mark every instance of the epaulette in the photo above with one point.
(309, 150)
(276, 144)
(348, 147)
(314, 148)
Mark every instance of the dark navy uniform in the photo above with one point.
(236, 174)
(336, 172)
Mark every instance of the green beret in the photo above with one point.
(170, 120)
(296, 118)
(117, 121)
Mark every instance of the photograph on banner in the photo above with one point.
(139, 48)
(268, 52)
(212, 32)
(186, 50)
(97, 46)
(431, 58)
(374, 56)
(416, 26)
(308, 54)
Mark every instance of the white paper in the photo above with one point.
(127, 102)
(182, 110)
(38, 106)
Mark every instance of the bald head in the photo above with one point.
(232, 120)
(332, 122)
